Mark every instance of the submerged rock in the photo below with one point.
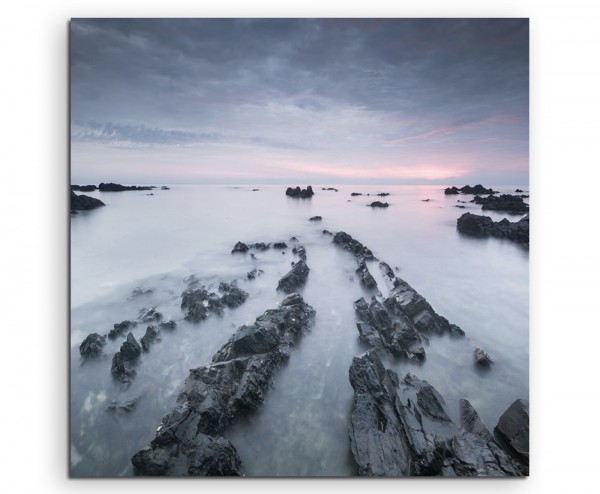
(294, 279)
(301, 193)
(402, 429)
(280, 245)
(253, 273)
(379, 204)
(300, 251)
(126, 406)
(84, 203)
(188, 440)
(92, 346)
(483, 226)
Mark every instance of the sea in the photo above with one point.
(136, 252)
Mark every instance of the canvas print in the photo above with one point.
(299, 247)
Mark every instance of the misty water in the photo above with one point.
(152, 242)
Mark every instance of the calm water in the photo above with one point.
(155, 241)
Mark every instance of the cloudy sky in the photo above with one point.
(328, 101)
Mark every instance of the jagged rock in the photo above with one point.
(149, 315)
(483, 226)
(192, 300)
(401, 429)
(152, 334)
(260, 246)
(254, 273)
(120, 328)
(513, 429)
(504, 202)
(84, 203)
(366, 278)
(240, 247)
(451, 191)
(301, 193)
(470, 421)
(379, 204)
(124, 361)
(280, 245)
(477, 189)
(232, 295)
(405, 300)
(382, 330)
(167, 325)
(294, 279)
(315, 218)
(92, 346)
(126, 406)
(347, 242)
(482, 359)
(112, 187)
(216, 395)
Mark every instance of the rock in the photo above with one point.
(470, 421)
(139, 292)
(347, 242)
(504, 202)
(232, 295)
(315, 218)
(164, 187)
(482, 359)
(459, 206)
(425, 200)
(149, 315)
(513, 429)
(353, 194)
(84, 203)
(192, 301)
(280, 245)
(477, 189)
(518, 190)
(260, 246)
(89, 188)
(405, 300)
(240, 247)
(400, 428)
(300, 193)
(329, 188)
(167, 325)
(300, 251)
(254, 273)
(451, 190)
(255, 190)
(125, 360)
(379, 204)
(188, 440)
(380, 329)
(293, 239)
(126, 406)
(327, 232)
(112, 187)
(92, 346)
(152, 335)
(365, 277)
(120, 328)
(484, 226)
(294, 279)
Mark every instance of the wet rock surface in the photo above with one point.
(84, 203)
(513, 429)
(483, 226)
(92, 346)
(188, 441)
(400, 428)
(295, 278)
(405, 300)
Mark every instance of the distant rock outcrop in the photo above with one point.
(112, 187)
(89, 188)
(301, 193)
(504, 202)
(467, 189)
(379, 204)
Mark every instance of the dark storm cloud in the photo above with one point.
(288, 82)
